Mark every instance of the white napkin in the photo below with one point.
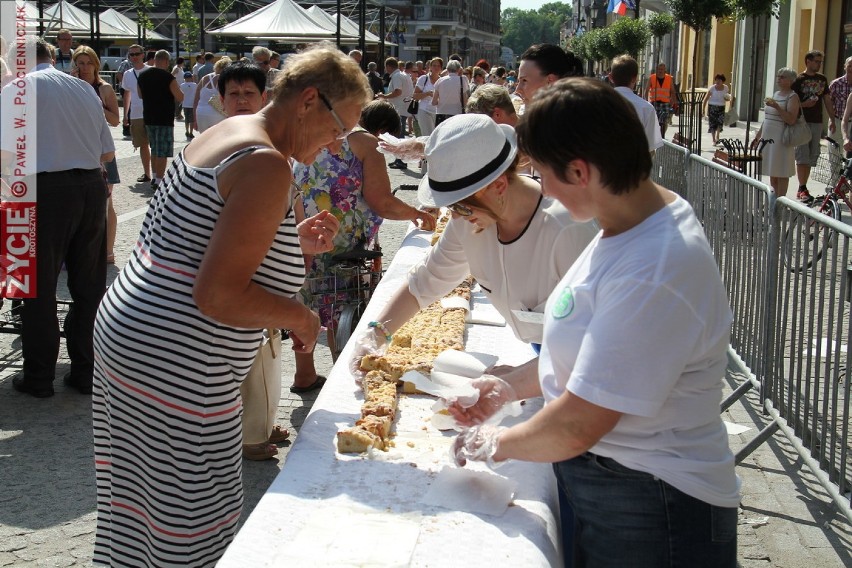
(462, 489)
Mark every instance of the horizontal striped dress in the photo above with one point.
(166, 402)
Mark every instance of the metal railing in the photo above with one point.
(791, 330)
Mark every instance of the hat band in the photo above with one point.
(476, 176)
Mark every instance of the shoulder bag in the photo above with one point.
(798, 133)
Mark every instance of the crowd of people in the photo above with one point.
(284, 173)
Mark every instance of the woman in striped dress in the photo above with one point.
(218, 259)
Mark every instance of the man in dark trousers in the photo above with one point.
(160, 91)
(70, 221)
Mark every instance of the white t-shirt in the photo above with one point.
(427, 86)
(647, 116)
(188, 90)
(717, 97)
(401, 80)
(449, 95)
(518, 275)
(128, 83)
(640, 324)
(177, 73)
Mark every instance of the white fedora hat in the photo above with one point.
(465, 153)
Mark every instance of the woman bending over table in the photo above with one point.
(218, 260)
(515, 242)
(634, 352)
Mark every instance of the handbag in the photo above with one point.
(731, 118)
(796, 134)
(261, 390)
(413, 107)
(215, 103)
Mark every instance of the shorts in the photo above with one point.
(188, 115)
(138, 133)
(111, 172)
(664, 110)
(162, 141)
(808, 154)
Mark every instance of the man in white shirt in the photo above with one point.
(400, 88)
(70, 222)
(623, 76)
(133, 109)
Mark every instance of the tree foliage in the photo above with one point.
(741, 9)
(142, 9)
(699, 14)
(629, 36)
(602, 44)
(190, 29)
(523, 28)
(660, 24)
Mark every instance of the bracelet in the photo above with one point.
(381, 327)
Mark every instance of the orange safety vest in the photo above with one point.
(660, 94)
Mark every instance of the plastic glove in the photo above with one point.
(494, 393)
(408, 149)
(369, 342)
(477, 444)
(424, 220)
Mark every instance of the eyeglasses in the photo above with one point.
(344, 132)
(262, 62)
(460, 209)
(134, 54)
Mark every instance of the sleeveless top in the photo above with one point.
(208, 89)
(334, 183)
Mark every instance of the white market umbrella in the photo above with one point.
(282, 20)
(118, 20)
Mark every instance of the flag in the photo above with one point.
(619, 6)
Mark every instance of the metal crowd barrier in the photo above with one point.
(787, 271)
(669, 167)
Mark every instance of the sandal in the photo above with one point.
(278, 435)
(317, 384)
(260, 452)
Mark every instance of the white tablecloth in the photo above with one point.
(325, 509)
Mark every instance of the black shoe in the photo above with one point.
(19, 383)
(393, 165)
(143, 178)
(84, 387)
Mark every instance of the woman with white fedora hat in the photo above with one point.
(515, 242)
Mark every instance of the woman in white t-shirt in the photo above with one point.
(715, 99)
(634, 353)
(451, 92)
(423, 91)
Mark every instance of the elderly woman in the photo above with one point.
(515, 242)
(86, 66)
(715, 99)
(634, 352)
(350, 180)
(779, 109)
(450, 93)
(207, 95)
(218, 260)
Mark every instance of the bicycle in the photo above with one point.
(345, 291)
(805, 240)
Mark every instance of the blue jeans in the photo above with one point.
(628, 518)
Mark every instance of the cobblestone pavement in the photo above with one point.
(47, 488)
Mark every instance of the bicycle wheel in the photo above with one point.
(806, 239)
(349, 318)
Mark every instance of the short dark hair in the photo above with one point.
(551, 59)
(208, 56)
(621, 154)
(392, 62)
(242, 71)
(624, 70)
(378, 116)
(719, 76)
(813, 54)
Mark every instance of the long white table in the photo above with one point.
(327, 509)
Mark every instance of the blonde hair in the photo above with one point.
(329, 70)
(90, 53)
(221, 64)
